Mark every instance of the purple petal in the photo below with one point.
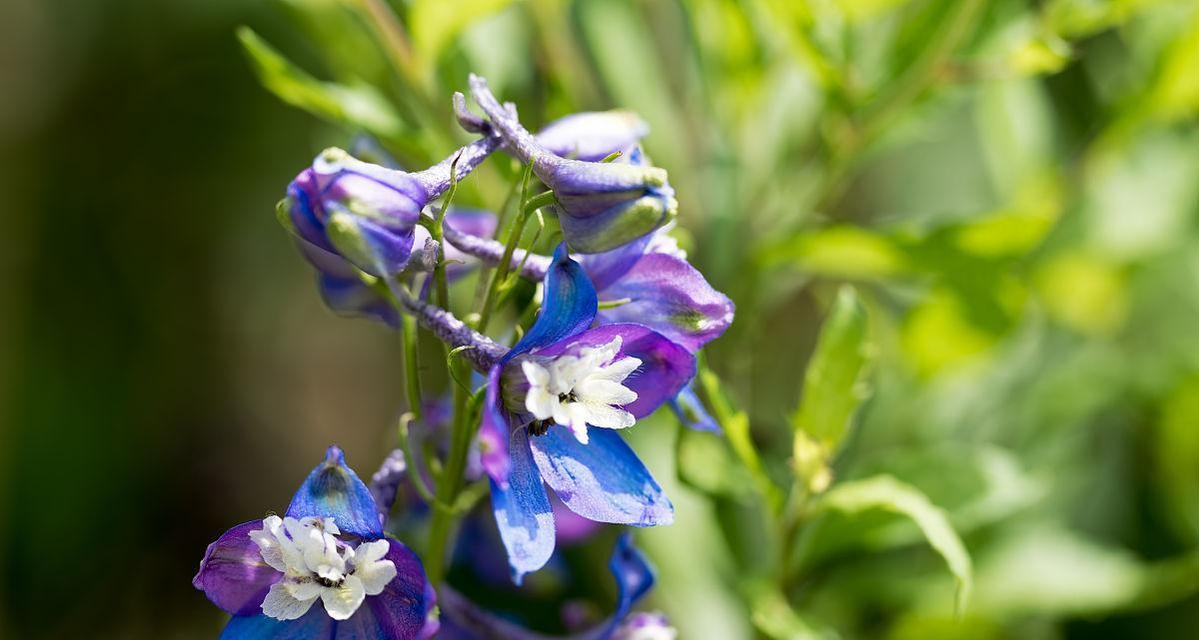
(494, 431)
(691, 412)
(333, 490)
(594, 135)
(475, 222)
(341, 288)
(670, 296)
(398, 613)
(605, 269)
(233, 574)
(403, 607)
(602, 480)
(523, 512)
(569, 307)
(665, 369)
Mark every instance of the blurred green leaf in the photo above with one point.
(775, 617)
(704, 462)
(833, 388)
(1084, 292)
(888, 494)
(358, 107)
(1177, 458)
(841, 252)
(435, 24)
(1046, 569)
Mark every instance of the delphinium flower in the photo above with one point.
(464, 620)
(600, 205)
(552, 405)
(329, 546)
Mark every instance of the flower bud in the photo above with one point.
(601, 205)
(366, 213)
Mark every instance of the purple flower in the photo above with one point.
(552, 406)
(328, 546)
(592, 136)
(601, 205)
(464, 620)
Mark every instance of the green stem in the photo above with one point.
(411, 365)
(500, 274)
(448, 488)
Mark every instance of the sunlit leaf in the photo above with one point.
(1047, 569)
(937, 335)
(356, 107)
(1084, 293)
(888, 494)
(435, 24)
(842, 251)
(833, 387)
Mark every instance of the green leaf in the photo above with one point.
(436, 23)
(888, 494)
(832, 387)
(358, 107)
(774, 617)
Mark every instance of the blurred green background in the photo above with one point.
(1011, 187)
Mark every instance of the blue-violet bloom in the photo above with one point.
(328, 546)
(600, 205)
(552, 406)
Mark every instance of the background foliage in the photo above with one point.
(1008, 186)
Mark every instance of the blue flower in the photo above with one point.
(552, 406)
(601, 205)
(328, 546)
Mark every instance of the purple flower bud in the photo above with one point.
(601, 205)
(366, 213)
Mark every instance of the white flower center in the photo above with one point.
(316, 564)
(579, 390)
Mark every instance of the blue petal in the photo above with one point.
(314, 624)
(691, 412)
(523, 512)
(570, 305)
(602, 480)
(333, 490)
